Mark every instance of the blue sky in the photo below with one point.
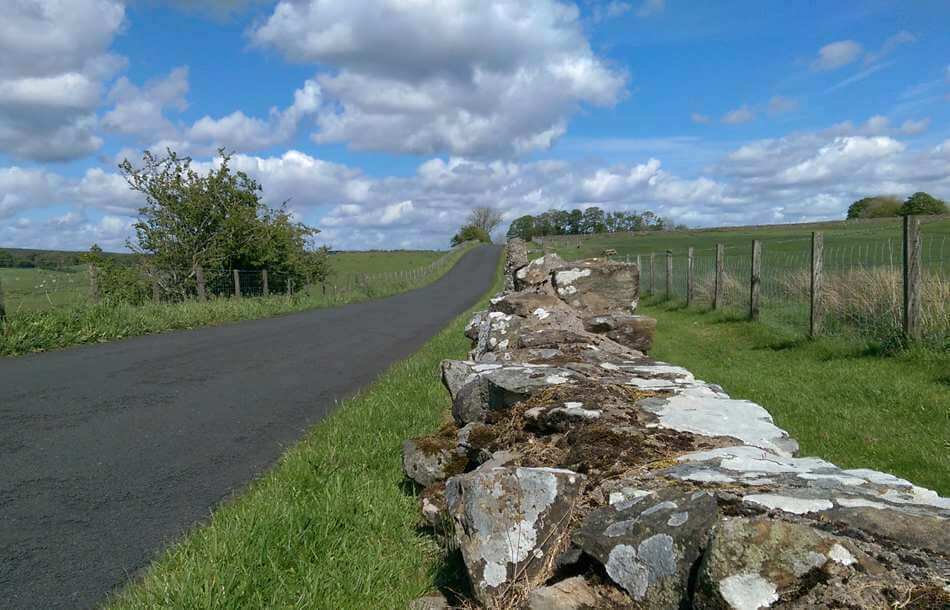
(384, 121)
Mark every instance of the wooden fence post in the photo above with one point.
(266, 287)
(912, 275)
(669, 275)
(3, 311)
(639, 278)
(290, 287)
(756, 279)
(237, 284)
(652, 274)
(200, 284)
(689, 277)
(817, 248)
(720, 275)
(94, 283)
(156, 290)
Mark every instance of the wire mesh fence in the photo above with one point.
(30, 290)
(859, 288)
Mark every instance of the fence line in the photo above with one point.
(886, 289)
(84, 286)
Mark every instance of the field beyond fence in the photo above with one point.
(880, 281)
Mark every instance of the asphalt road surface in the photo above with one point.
(109, 452)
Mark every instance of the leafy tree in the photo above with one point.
(470, 233)
(593, 221)
(874, 207)
(522, 227)
(922, 203)
(192, 222)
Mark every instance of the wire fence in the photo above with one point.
(858, 288)
(30, 290)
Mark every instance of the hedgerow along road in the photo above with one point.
(110, 452)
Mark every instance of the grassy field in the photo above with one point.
(39, 327)
(41, 289)
(841, 402)
(331, 526)
(859, 237)
(382, 261)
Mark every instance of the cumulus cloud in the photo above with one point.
(700, 119)
(466, 78)
(740, 115)
(141, 110)
(837, 54)
(53, 60)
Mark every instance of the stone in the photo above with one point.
(510, 524)
(527, 304)
(635, 332)
(718, 417)
(648, 544)
(430, 602)
(430, 459)
(516, 258)
(455, 374)
(569, 594)
(597, 287)
(433, 506)
(536, 274)
(501, 387)
(758, 562)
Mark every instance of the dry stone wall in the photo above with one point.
(577, 472)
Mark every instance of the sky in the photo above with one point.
(383, 122)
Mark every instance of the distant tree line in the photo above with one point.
(585, 222)
(884, 206)
(43, 259)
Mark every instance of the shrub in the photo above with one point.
(923, 203)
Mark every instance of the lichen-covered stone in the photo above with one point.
(516, 257)
(510, 524)
(635, 332)
(596, 287)
(501, 387)
(430, 459)
(648, 544)
(759, 562)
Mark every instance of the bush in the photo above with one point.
(470, 233)
(881, 206)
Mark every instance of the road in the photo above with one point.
(109, 452)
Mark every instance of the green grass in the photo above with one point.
(331, 525)
(842, 402)
(38, 289)
(39, 329)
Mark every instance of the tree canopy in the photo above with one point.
(588, 221)
(923, 203)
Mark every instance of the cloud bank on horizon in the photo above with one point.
(382, 122)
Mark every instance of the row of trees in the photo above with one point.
(590, 220)
(193, 223)
(884, 206)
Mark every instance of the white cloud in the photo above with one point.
(468, 78)
(740, 115)
(860, 76)
(890, 45)
(22, 189)
(53, 60)
(779, 105)
(837, 54)
(141, 110)
(700, 119)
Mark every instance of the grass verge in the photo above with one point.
(840, 399)
(330, 526)
(42, 330)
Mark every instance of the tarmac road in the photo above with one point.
(109, 452)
